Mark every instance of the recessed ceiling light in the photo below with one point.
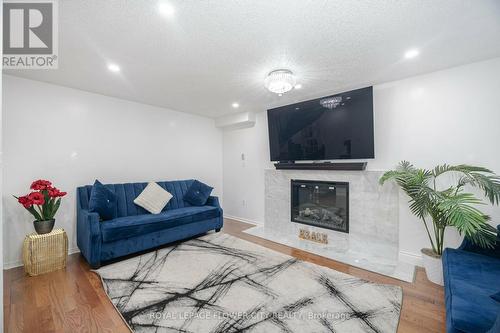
(298, 86)
(410, 54)
(166, 9)
(114, 68)
(235, 105)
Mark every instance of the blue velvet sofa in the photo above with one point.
(471, 276)
(135, 229)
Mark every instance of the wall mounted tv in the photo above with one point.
(328, 128)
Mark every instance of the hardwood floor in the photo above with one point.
(73, 300)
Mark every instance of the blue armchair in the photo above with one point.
(471, 277)
(135, 229)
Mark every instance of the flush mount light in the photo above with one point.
(235, 105)
(114, 68)
(410, 54)
(166, 9)
(280, 81)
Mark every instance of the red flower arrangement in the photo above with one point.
(44, 201)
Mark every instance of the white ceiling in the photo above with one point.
(216, 52)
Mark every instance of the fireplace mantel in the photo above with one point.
(373, 239)
(373, 209)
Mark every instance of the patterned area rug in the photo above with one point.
(219, 283)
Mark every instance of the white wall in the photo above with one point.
(450, 116)
(1, 188)
(244, 178)
(72, 137)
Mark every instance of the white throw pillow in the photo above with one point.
(153, 199)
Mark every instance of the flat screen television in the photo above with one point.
(328, 128)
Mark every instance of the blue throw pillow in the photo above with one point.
(102, 201)
(198, 193)
(496, 296)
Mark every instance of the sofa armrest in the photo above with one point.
(89, 235)
(213, 201)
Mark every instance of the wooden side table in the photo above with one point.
(45, 253)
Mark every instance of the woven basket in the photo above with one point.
(45, 253)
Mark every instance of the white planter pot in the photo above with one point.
(433, 266)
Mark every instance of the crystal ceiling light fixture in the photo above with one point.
(280, 81)
(331, 102)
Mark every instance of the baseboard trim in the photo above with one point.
(18, 263)
(244, 220)
(411, 258)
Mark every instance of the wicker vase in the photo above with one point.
(44, 227)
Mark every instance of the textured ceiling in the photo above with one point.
(213, 53)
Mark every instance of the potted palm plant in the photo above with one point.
(451, 206)
(43, 203)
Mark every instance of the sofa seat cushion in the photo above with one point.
(130, 226)
(470, 280)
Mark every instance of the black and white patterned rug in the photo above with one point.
(219, 283)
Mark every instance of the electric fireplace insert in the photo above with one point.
(321, 204)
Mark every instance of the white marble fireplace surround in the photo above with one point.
(372, 241)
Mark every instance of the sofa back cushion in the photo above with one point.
(126, 193)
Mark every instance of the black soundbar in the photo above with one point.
(347, 166)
